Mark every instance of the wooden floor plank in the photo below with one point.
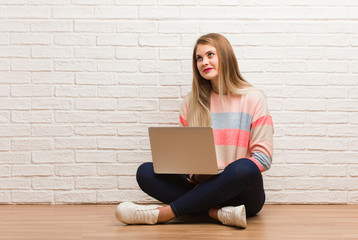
(275, 222)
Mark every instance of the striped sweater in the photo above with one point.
(242, 128)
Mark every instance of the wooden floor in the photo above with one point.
(67, 222)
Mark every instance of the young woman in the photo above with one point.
(243, 131)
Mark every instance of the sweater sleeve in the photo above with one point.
(261, 135)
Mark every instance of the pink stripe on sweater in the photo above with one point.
(183, 121)
(257, 163)
(234, 137)
(264, 120)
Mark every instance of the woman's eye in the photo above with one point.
(211, 54)
(199, 58)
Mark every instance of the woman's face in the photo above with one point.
(207, 62)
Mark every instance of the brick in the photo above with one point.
(31, 91)
(123, 143)
(14, 130)
(28, 12)
(184, 26)
(14, 158)
(135, 104)
(73, 12)
(31, 170)
(116, 12)
(135, 2)
(53, 77)
(300, 143)
(354, 144)
(133, 156)
(75, 65)
(329, 67)
(118, 40)
(93, 2)
(75, 197)
(5, 197)
(50, 2)
(52, 183)
(342, 184)
(51, 26)
(256, 27)
(159, 40)
(341, 105)
(14, 104)
(15, 77)
(136, 53)
(95, 104)
(304, 105)
(277, 197)
(159, 92)
(138, 79)
(14, 52)
(95, 130)
(158, 12)
(305, 184)
(176, 79)
(30, 144)
(95, 26)
(169, 105)
(133, 130)
(324, 197)
(118, 66)
(95, 53)
(96, 183)
(15, 183)
(31, 197)
(51, 130)
(30, 38)
(221, 13)
(138, 26)
(75, 143)
(96, 78)
(123, 195)
(127, 182)
(53, 157)
(4, 91)
(5, 171)
(76, 39)
(14, 26)
(120, 92)
(162, 117)
(75, 117)
(31, 65)
(175, 53)
(75, 170)
(64, 91)
(95, 157)
(353, 197)
(159, 66)
(118, 117)
(51, 52)
(116, 170)
(51, 104)
(32, 116)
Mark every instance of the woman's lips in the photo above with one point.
(206, 70)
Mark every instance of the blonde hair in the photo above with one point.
(229, 78)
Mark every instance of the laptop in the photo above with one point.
(183, 150)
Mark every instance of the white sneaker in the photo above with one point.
(233, 216)
(131, 213)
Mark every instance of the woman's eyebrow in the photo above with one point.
(198, 55)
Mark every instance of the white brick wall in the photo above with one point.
(82, 80)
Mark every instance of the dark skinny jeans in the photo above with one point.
(239, 184)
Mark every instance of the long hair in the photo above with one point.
(230, 80)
